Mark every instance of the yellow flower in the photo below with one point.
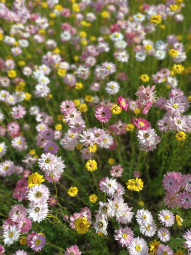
(76, 102)
(115, 109)
(173, 7)
(137, 111)
(179, 37)
(44, 5)
(93, 38)
(130, 127)
(58, 7)
(52, 15)
(111, 161)
(162, 26)
(82, 34)
(73, 191)
(27, 96)
(19, 88)
(79, 146)
(23, 240)
(141, 203)
(60, 117)
(179, 220)
(189, 98)
(83, 108)
(16, 44)
(22, 63)
(58, 127)
(179, 252)
(88, 98)
(93, 198)
(105, 15)
(22, 83)
(173, 53)
(91, 165)
(78, 85)
(32, 152)
(93, 148)
(156, 19)
(61, 72)
(144, 78)
(135, 184)
(1, 36)
(56, 51)
(35, 179)
(148, 47)
(181, 136)
(50, 96)
(41, 32)
(12, 73)
(75, 58)
(75, 8)
(178, 68)
(81, 225)
(153, 247)
(84, 42)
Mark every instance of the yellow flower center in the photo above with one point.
(35, 180)
(47, 160)
(138, 247)
(10, 234)
(6, 168)
(38, 194)
(148, 227)
(141, 124)
(166, 217)
(124, 236)
(38, 242)
(175, 106)
(81, 225)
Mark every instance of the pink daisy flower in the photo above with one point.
(172, 200)
(185, 199)
(163, 234)
(116, 171)
(73, 250)
(166, 218)
(142, 124)
(102, 113)
(122, 103)
(124, 236)
(164, 249)
(187, 236)
(147, 107)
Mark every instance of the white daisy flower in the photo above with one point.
(11, 235)
(37, 212)
(112, 87)
(38, 193)
(3, 149)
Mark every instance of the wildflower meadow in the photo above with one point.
(95, 123)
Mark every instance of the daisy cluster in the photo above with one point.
(178, 190)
